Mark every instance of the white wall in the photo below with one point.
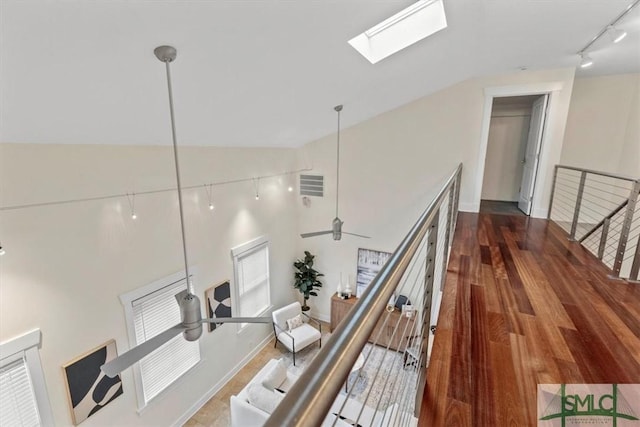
(505, 150)
(66, 265)
(393, 164)
(603, 125)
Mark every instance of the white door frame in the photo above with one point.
(550, 88)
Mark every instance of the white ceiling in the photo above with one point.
(263, 73)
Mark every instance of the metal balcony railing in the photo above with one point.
(381, 353)
(601, 211)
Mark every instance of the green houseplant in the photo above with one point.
(306, 278)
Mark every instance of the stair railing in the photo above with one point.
(372, 369)
(600, 210)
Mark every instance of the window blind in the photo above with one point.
(153, 314)
(17, 399)
(253, 281)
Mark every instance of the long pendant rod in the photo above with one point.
(175, 156)
(338, 108)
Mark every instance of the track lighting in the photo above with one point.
(256, 187)
(208, 190)
(132, 205)
(585, 61)
(616, 34)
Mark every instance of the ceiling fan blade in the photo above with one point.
(315, 233)
(357, 235)
(238, 320)
(122, 362)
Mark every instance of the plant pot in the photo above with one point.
(305, 307)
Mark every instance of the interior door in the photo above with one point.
(532, 153)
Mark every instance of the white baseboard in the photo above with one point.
(469, 207)
(321, 316)
(539, 213)
(223, 381)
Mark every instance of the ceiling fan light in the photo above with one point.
(616, 34)
(586, 61)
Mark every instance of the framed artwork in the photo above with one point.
(218, 301)
(88, 388)
(370, 262)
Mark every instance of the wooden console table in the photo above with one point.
(340, 307)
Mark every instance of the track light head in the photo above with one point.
(616, 34)
(2, 251)
(585, 61)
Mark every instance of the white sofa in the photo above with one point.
(245, 414)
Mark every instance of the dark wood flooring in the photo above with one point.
(524, 306)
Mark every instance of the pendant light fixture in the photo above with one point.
(336, 224)
(616, 34)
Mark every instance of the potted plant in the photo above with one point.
(306, 278)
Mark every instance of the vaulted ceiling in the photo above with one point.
(264, 73)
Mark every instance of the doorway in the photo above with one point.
(513, 150)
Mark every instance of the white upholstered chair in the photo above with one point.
(297, 338)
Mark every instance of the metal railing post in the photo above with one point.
(456, 199)
(633, 275)
(447, 239)
(429, 277)
(576, 211)
(603, 238)
(553, 190)
(626, 226)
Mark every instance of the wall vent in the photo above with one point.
(312, 185)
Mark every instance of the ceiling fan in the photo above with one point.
(191, 325)
(336, 224)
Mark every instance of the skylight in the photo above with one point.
(403, 29)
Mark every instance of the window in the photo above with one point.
(421, 19)
(253, 289)
(149, 311)
(23, 395)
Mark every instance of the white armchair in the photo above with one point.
(297, 338)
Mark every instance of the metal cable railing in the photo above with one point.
(372, 370)
(601, 211)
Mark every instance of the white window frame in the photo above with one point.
(238, 253)
(26, 347)
(127, 301)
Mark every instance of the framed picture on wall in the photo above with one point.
(217, 300)
(88, 388)
(370, 263)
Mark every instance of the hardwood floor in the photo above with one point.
(524, 306)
